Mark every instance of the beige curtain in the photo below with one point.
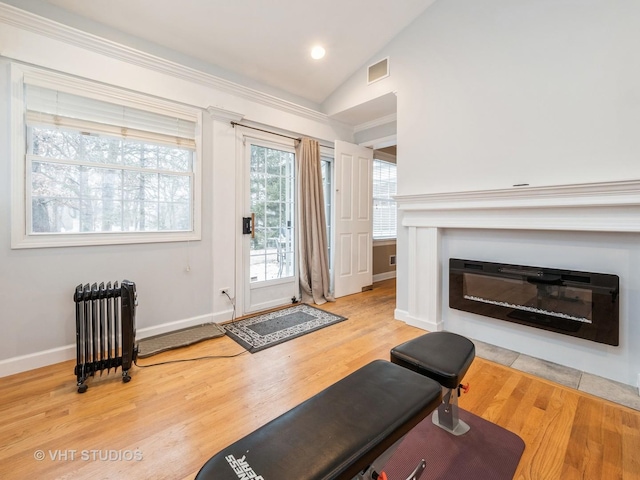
(314, 251)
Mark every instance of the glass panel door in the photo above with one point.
(272, 203)
(270, 253)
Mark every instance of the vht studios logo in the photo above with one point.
(89, 455)
(242, 469)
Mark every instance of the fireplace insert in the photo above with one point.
(580, 304)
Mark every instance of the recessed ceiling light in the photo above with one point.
(317, 52)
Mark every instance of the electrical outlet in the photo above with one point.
(224, 291)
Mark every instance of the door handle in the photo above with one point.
(246, 225)
(253, 225)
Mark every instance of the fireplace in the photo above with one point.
(580, 304)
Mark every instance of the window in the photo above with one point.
(384, 206)
(325, 165)
(272, 180)
(101, 172)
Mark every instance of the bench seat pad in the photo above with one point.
(334, 434)
(442, 356)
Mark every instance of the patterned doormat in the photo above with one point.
(269, 329)
(179, 338)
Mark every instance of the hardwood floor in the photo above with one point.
(170, 419)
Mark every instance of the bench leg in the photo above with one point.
(446, 416)
(371, 473)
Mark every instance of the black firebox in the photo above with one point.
(580, 304)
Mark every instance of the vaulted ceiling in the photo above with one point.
(252, 42)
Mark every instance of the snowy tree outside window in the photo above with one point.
(96, 167)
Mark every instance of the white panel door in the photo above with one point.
(353, 259)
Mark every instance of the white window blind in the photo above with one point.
(61, 109)
(99, 167)
(384, 206)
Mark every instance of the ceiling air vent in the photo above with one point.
(378, 71)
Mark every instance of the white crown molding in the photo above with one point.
(605, 206)
(28, 21)
(393, 117)
(221, 114)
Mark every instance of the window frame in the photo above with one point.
(328, 155)
(20, 230)
(386, 240)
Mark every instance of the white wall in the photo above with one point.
(36, 285)
(542, 92)
(501, 92)
(496, 93)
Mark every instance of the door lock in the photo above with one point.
(248, 225)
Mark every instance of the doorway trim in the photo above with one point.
(243, 138)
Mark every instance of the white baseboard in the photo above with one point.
(24, 363)
(222, 317)
(172, 326)
(417, 322)
(384, 276)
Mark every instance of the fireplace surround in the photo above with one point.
(576, 303)
(577, 226)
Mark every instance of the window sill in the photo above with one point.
(91, 239)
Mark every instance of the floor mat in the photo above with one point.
(179, 338)
(269, 329)
(486, 452)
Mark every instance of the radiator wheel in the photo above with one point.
(126, 378)
(82, 388)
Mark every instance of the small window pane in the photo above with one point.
(54, 180)
(384, 207)
(100, 149)
(55, 143)
(174, 188)
(140, 186)
(174, 159)
(174, 216)
(325, 163)
(55, 215)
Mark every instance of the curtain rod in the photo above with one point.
(297, 139)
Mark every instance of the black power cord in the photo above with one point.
(208, 357)
(233, 315)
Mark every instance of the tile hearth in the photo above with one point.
(570, 377)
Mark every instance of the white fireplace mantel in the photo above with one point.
(593, 207)
(607, 207)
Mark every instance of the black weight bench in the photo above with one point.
(444, 357)
(335, 434)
